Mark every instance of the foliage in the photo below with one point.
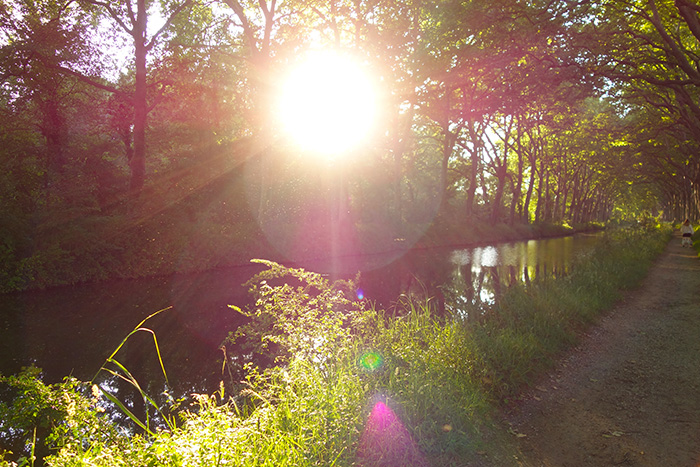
(309, 321)
(503, 120)
(645, 50)
(36, 417)
(477, 135)
(338, 360)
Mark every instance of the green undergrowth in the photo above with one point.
(350, 384)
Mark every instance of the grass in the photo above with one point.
(352, 385)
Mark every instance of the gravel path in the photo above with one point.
(629, 394)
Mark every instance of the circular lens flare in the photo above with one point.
(327, 104)
(371, 361)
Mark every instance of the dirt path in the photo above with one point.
(629, 394)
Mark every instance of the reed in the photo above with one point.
(121, 372)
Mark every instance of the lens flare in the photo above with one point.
(385, 441)
(371, 361)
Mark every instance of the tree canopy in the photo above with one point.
(506, 112)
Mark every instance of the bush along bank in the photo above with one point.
(351, 385)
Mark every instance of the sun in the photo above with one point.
(327, 104)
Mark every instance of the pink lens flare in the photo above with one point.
(385, 441)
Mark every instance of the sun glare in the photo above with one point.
(327, 104)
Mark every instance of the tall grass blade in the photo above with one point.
(136, 329)
(160, 359)
(32, 455)
(126, 411)
(146, 398)
(129, 378)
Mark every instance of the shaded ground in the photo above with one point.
(629, 394)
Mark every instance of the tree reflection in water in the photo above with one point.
(467, 282)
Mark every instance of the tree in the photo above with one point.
(649, 50)
(133, 20)
(32, 32)
(40, 37)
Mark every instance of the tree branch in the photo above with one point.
(168, 22)
(114, 15)
(675, 51)
(85, 79)
(245, 24)
(690, 15)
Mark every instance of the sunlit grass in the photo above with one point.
(381, 388)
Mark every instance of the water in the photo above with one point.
(463, 278)
(72, 330)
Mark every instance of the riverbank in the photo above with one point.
(403, 387)
(628, 393)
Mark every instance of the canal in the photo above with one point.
(72, 330)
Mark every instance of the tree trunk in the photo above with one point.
(53, 129)
(547, 199)
(564, 189)
(473, 171)
(501, 173)
(484, 191)
(447, 148)
(518, 186)
(541, 190)
(399, 128)
(138, 160)
(528, 196)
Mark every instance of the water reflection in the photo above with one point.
(480, 275)
(470, 280)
